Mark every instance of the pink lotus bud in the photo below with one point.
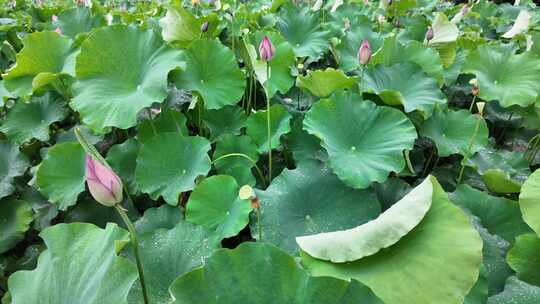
(204, 27)
(266, 49)
(54, 18)
(104, 185)
(59, 31)
(429, 33)
(364, 53)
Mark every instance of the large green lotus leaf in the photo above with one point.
(510, 78)
(259, 273)
(452, 132)
(493, 258)
(307, 200)
(26, 121)
(517, 292)
(393, 52)
(121, 70)
(529, 201)
(216, 205)
(168, 121)
(60, 180)
(162, 217)
(303, 30)
(12, 164)
(498, 215)
(502, 171)
(445, 34)
(80, 266)
(256, 127)
(444, 252)
(347, 49)
(181, 28)
(212, 71)
(322, 83)
(15, 219)
(43, 52)
(524, 258)
(280, 66)
(167, 254)
(228, 120)
(168, 164)
(369, 238)
(77, 20)
(444, 31)
(236, 166)
(404, 84)
(123, 159)
(365, 142)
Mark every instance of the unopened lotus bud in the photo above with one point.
(429, 33)
(204, 27)
(266, 49)
(480, 106)
(54, 18)
(59, 31)
(364, 53)
(104, 185)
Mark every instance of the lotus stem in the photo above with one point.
(268, 124)
(472, 103)
(253, 162)
(134, 240)
(468, 152)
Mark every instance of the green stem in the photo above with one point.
(253, 162)
(89, 148)
(472, 103)
(362, 81)
(259, 223)
(135, 242)
(268, 124)
(426, 166)
(471, 143)
(408, 161)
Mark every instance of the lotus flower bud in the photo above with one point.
(266, 49)
(54, 18)
(429, 33)
(364, 53)
(204, 27)
(59, 31)
(480, 106)
(104, 185)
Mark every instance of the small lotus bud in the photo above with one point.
(59, 31)
(475, 89)
(54, 18)
(364, 53)
(429, 33)
(480, 106)
(266, 49)
(473, 82)
(104, 185)
(204, 27)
